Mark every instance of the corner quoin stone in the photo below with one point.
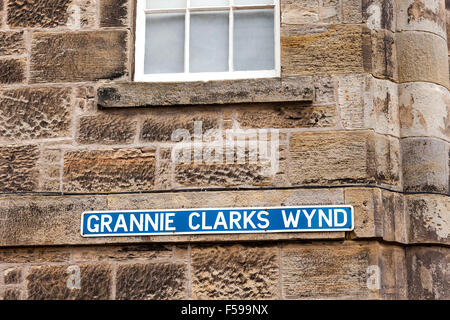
(78, 56)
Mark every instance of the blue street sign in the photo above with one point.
(217, 221)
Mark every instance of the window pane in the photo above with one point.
(209, 3)
(254, 40)
(252, 2)
(208, 42)
(165, 4)
(164, 43)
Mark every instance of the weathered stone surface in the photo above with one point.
(378, 14)
(425, 165)
(429, 218)
(11, 43)
(367, 102)
(309, 11)
(78, 56)
(343, 157)
(424, 110)
(12, 294)
(113, 13)
(33, 255)
(106, 129)
(428, 273)
(35, 113)
(393, 276)
(352, 11)
(327, 271)
(12, 276)
(213, 175)
(380, 53)
(18, 171)
(287, 116)
(88, 13)
(85, 98)
(159, 281)
(211, 92)
(235, 272)
(325, 90)
(57, 282)
(324, 49)
(27, 220)
(378, 214)
(12, 71)
(143, 252)
(109, 170)
(422, 15)
(160, 126)
(39, 13)
(422, 56)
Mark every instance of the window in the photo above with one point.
(200, 40)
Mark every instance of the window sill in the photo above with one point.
(145, 94)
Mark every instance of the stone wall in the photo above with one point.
(362, 107)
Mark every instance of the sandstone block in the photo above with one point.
(142, 252)
(425, 165)
(424, 110)
(114, 170)
(327, 271)
(422, 15)
(160, 126)
(428, 273)
(12, 71)
(113, 13)
(325, 49)
(206, 93)
(352, 11)
(12, 276)
(310, 11)
(11, 43)
(429, 218)
(106, 129)
(380, 53)
(33, 255)
(59, 282)
(88, 13)
(293, 115)
(18, 171)
(35, 113)
(235, 272)
(78, 56)
(422, 56)
(343, 157)
(379, 14)
(40, 14)
(12, 294)
(159, 281)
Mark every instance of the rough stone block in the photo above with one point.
(352, 11)
(113, 13)
(206, 93)
(142, 252)
(310, 11)
(106, 129)
(323, 271)
(159, 281)
(428, 273)
(12, 71)
(27, 221)
(379, 14)
(324, 49)
(425, 165)
(380, 53)
(12, 294)
(235, 272)
(422, 15)
(115, 170)
(35, 113)
(18, 171)
(78, 56)
(59, 282)
(161, 125)
(292, 115)
(11, 43)
(37, 14)
(393, 272)
(424, 110)
(12, 276)
(429, 218)
(422, 56)
(343, 157)
(88, 13)
(33, 255)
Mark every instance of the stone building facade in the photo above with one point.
(362, 109)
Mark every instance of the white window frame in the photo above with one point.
(140, 76)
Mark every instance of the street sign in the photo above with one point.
(217, 221)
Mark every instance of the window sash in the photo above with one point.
(142, 11)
